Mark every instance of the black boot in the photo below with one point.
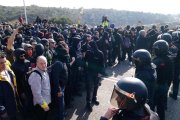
(89, 107)
(95, 101)
(172, 96)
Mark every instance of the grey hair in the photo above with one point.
(142, 32)
(41, 58)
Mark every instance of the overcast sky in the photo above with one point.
(154, 6)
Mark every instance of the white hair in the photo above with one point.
(142, 32)
(42, 58)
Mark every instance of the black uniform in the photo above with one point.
(130, 96)
(164, 69)
(104, 45)
(148, 76)
(76, 73)
(146, 72)
(95, 62)
(117, 46)
(176, 72)
(58, 83)
(20, 68)
(141, 114)
(127, 46)
(164, 75)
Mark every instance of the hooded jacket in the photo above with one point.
(94, 58)
(39, 50)
(58, 79)
(62, 52)
(20, 68)
(8, 95)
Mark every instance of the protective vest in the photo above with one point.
(105, 24)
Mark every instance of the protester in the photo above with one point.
(41, 91)
(75, 47)
(9, 99)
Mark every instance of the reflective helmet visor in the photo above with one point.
(121, 99)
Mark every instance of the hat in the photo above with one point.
(51, 40)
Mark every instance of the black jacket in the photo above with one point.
(94, 61)
(141, 43)
(118, 40)
(164, 68)
(20, 68)
(149, 76)
(177, 59)
(142, 114)
(8, 96)
(58, 77)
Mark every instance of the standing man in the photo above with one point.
(141, 42)
(105, 22)
(164, 68)
(40, 86)
(128, 101)
(52, 46)
(127, 45)
(94, 59)
(145, 71)
(47, 53)
(176, 80)
(117, 45)
(20, 68)
(8, 92)
(59, 79)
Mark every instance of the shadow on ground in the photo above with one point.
(118, 69)
(78, 108)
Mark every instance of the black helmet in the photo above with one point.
(160, 47)
(167, 37)
(39, 49)
(141, 58)
(18, 52)
(112, 25)
(176, 36)
(129, 93)
(19, 38)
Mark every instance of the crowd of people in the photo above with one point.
(43, 65)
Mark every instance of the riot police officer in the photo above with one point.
(164, 75)
(128, 99)
(145, 71)
(176, 79)
(167, 37)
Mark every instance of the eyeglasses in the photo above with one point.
(23, 55)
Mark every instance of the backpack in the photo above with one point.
(126, 42)
(29, 91)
